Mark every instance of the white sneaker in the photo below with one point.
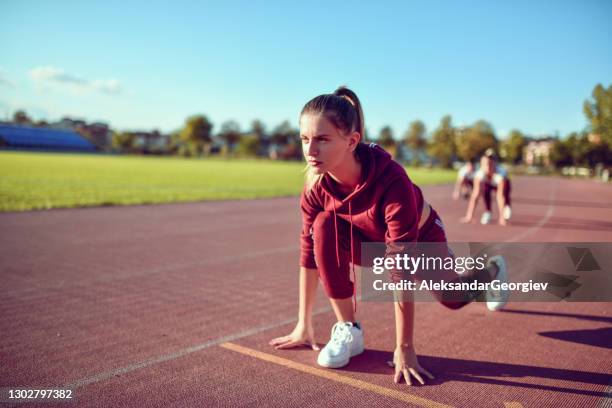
(486, 218)
(346, 341)
(507, 212)
(497, 299)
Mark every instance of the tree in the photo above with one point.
(598, 153)
(385, 137)
(578, 147)
(174, 142)
(442, 145)
(258, 129)
(415, 139)
(415, 136)
(474, 140)
(196, 135)
(123, 141)
(20, 117)
(512, 148)
(248, 145)
(230, 133)
(599, 113)
(560, 155)
(284, 134)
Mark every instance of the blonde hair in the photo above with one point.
(343, 109)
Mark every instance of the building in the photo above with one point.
(14, 137)
(537, 152)
(150, 142)
(97, 133)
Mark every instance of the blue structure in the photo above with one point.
(14, 137)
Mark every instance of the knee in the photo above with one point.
(323, 221)
(334, 290)
(454, 305)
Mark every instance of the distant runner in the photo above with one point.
(490, 177)
(465, 181)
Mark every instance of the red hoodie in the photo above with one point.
(385, 207)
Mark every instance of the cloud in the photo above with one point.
(6, 81)
(59, 77)
(110, 86)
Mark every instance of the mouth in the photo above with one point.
(315, 163)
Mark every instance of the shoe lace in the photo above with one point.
(341, 333)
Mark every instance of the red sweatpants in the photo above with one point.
(336, 278)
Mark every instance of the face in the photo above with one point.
(325, 147)
(487, 165)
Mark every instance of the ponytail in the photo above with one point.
(349, 95)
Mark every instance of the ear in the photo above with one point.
(354, 140)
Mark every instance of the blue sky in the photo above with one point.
(145, 65)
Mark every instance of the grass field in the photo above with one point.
(49, 180)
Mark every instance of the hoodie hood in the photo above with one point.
(374, 161)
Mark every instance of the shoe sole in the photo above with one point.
(340, 364)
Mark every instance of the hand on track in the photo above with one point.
(407, 365)
(302, 335)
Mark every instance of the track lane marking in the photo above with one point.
(106, 375)
(330, 375)
(549, 212)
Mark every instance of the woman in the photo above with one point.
(356, 193)
(465, 181)
(490, 177)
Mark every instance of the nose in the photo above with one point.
(311, 149)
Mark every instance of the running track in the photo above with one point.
(173, 305)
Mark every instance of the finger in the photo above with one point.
(279, 340)
(288, 344)
(407, 377)
(398, 376)
(427, 373)
(417, 376)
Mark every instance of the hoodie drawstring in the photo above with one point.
(353, 262)
(336, 229)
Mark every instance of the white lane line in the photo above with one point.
(180, 353)
(153, 271)
(549, 212)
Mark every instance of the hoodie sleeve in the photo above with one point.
(402, 205)
(310, 209)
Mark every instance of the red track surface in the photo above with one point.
(132, 306)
